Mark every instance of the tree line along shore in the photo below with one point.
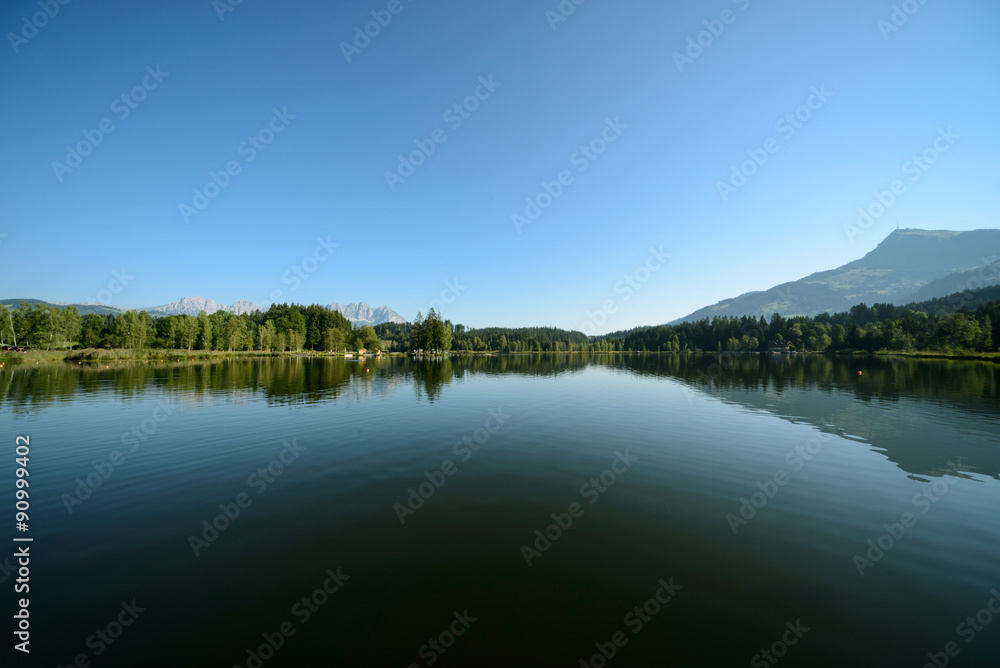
(964, 324)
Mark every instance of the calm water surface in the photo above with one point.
(743, 495)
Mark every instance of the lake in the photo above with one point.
(555, 510)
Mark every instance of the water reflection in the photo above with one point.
(909, 410)
(279, 380)
(922, 402)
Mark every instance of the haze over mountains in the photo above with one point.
(907, 266)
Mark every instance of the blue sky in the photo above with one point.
(203, 82)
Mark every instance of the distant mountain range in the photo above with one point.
(195, 305)
(363, 314)
(908, 266)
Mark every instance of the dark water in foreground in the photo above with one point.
(744, 498)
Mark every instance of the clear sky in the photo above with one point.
(309, 129)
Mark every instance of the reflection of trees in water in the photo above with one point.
(430, 375)
(932, 401)
(306, 380)
(818, 389)
(279, 380)
(887, 379)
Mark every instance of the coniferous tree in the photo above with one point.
(418, 332)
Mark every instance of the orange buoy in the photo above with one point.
(859, 373)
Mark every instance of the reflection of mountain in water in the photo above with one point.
(909, 410)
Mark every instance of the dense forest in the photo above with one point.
(400, 337)
(282, 327)
(967, 321)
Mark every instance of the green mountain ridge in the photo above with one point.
(84, 309)
(897, 271)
